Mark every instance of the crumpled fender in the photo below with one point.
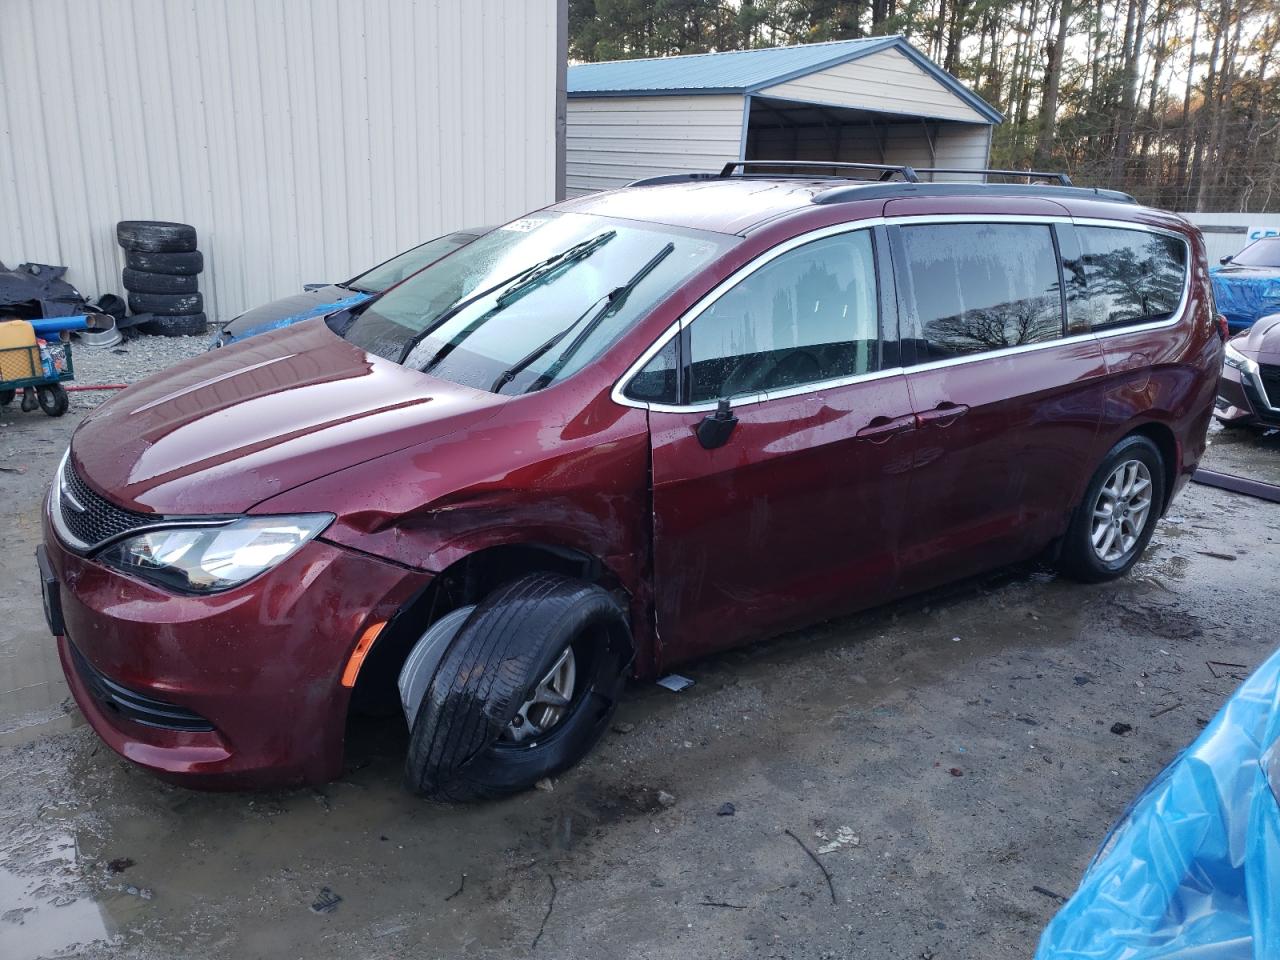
(1192, 869)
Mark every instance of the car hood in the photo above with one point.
(1261, 341)
(225, 430)
(293, 309)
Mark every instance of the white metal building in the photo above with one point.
(874, 100)
(304, 139)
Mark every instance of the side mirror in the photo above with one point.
(715, 428)
(1227, 259)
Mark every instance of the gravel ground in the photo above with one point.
(129, 361)
(949, 761)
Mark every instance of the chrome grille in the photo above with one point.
(90, 517)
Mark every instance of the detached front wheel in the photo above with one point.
(524, 688)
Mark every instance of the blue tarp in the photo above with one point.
(1192, 870)
(1245, 296)
(318, 310)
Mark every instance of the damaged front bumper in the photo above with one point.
(233, 690)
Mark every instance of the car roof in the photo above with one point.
(737, 204)
(724, 205)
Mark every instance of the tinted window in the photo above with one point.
(1133, 276)
(809, 315)
(981, 286)
(659, 381)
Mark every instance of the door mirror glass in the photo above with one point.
(806, 316)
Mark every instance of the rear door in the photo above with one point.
(798, 515)
(1007, 394)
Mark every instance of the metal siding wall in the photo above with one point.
(614, 140)
(885, 81)
(305, 139)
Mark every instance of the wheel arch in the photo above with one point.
(465, 581)
(1167, 443)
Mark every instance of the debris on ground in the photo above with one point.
(726, 810)
(845, 837)
(675, 683)
(1120, 729)
(623, 727)
(326, 902)
(545, 785)
(119, 865)
(666, 799)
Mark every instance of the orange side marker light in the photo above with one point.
(361, 651)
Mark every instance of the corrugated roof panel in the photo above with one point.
(728, 71)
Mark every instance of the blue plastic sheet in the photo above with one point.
(1244, 296)
(318, 310)
(1192, 870)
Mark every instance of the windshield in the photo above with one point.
(532, 302)
(1260, 253)
(391, 272)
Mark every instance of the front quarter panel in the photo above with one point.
(526, 476)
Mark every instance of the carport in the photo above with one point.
(873, 100)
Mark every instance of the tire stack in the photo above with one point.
(162, 276)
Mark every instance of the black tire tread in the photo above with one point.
(187, 263)
(182, 325)
(166, 304)
(156, 236)
(142, 281)
(486, 674)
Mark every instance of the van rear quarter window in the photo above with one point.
(976, 287)
(1133, 276)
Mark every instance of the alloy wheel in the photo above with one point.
(1121, 511)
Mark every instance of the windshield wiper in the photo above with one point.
(457, 308)
(532, 278)
(613, 302)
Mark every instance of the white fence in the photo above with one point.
(1226, 233)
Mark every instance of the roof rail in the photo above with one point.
(886, 170)
(1041, 175)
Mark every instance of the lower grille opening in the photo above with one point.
(132, 705)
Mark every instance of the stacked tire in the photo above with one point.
(162, 276)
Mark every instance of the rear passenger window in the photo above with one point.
(810, 315)
(977, 287)
(1132, 276)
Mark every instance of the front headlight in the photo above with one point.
(209, 559)
(1234, 358)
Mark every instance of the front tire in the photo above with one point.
(525, 689)
(1114, 522)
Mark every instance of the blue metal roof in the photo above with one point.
(746, 71)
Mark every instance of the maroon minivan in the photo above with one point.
(618, 433)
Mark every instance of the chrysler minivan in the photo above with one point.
(618, 433)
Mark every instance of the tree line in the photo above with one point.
(1175, 101)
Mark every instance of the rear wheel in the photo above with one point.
(524, 689)
(1115, 521)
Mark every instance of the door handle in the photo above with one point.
(881, 429)
(943, 415)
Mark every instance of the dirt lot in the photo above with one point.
(949, 761)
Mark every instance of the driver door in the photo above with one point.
(799, 514)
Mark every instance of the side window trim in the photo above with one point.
(680, 328)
